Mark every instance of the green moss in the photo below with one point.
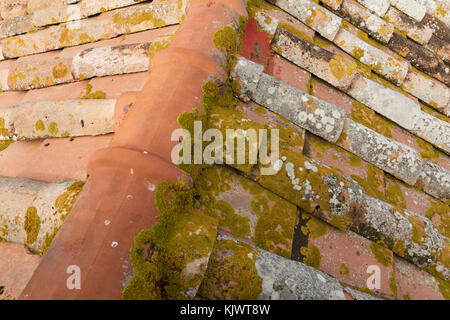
(32, 225)
(291, 29)
(312, 256)
(369, 118)
(394, 194)
(393, 285)
(260, 110)
(316, 228)
(160, 255)
(344, 270)
(354, 160)
(382, 254)
(444, 288)
(428, 151)
(418, 229)
(406, 296)
(231, 273)
(88, 94)
(373, 184)
(441, 209)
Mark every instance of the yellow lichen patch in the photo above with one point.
(382, 254)
(66, 200)
(358, 53)
(53, 128)
(440, 11)
(384, 30)
(137, 18)
(60, 70)
(312, 256)
(40, 126)
(5, 144)
(232, 273)
(48, 239)
(315, 228)
(159, 45)
(341, 67)
(444, 288)
(32, 225)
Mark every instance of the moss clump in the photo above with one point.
(32, 225)
(314, 227)
(88, 94)
(344, 270)
(444, 288)
(341, 67)
(312, 256)
(160, 255)
(393, 285)
(406, 296)
(232, 273)
(382, 254)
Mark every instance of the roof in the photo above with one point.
(93, 91)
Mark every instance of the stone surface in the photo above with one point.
(379, 61)
(121, 21)
(43, 119)
(411, 7)
(39, 74)
(378, 6)
(361, 17)
(107, 61)
(417, 31)
(334, 69)
(314, 16)
(429, 90)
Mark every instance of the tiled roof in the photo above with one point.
(92, 91)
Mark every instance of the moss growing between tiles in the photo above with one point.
(32, 225)
(441, 209)
(88, 94)
(232, 273)
(312, 256)
(393, 285)
(370, 119)
(300, 34)
(444, 288)
(382, 254)
(162, 256)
